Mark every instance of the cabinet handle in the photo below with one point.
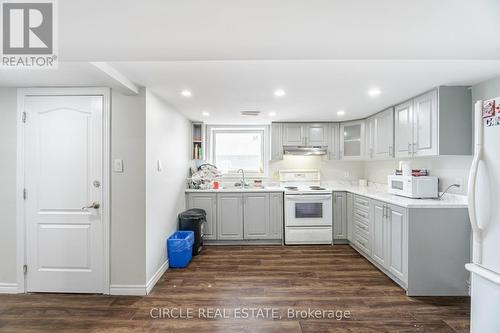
(390, 150)
(414, 148)
(409, 148)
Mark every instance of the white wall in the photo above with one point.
(128, 190)
(167, 140)
(8, 148)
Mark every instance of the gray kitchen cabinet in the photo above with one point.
(403, 129)
(294, 134)
(369, 137)
(380, 228)
(350, 212)
(208, 202)
(352, 140)
(333, 146)
(425, 126)
(229, 216)
(256, 215)
(435, 123)
(276, 216)
(276, 141)
(397, 242)
(317, 134)
(383, 135)
(339, 216)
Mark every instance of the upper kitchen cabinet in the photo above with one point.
(306, 134)
(317, 134)
(383, 135)
(276, 141)
(294, 134)
(379, 131)
(438, 122)
(352, 140)
(333, 146)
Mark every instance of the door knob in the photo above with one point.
(94, 205)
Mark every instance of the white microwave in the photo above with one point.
(413, 187)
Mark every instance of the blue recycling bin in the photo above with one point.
(180, 248)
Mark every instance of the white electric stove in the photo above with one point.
(308, 208)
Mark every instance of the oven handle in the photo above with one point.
(308, 197)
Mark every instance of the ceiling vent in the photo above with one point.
(250, 113)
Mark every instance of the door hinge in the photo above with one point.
(25, 194)
(25, 269)
(24, 117)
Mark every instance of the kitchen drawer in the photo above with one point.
(362, 226)
(361, 203)
(362, 242)
(362, 215)
(308, 235)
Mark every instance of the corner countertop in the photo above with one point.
(372, 192)
(448, 201)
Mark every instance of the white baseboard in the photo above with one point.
(8, 288)
(152, 282)
(127, 289)
(138, 289)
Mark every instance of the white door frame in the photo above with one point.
(22, 93)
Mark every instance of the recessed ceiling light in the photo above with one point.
(272, 114)
(186, 93)
(374, 92)
(279, 93)
(205, 114)
(340, 112)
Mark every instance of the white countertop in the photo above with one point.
(448, 201)
(372, 192)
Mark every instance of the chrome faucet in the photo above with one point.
(242, 183)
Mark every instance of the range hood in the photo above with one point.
(305, 150)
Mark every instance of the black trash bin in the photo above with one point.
(193, 219)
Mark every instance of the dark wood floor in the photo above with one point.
(232, 277)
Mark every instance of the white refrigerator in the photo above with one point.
(484, 211)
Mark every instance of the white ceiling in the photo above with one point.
(315, 90)
(160, 30)
(232, 54)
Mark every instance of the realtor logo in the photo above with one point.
(28, 34)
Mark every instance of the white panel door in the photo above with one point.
(63, 165)
(403, 129)
(425, 127)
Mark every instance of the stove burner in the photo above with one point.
(315, 187)
(291, 188)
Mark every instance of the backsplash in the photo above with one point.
(330, 170)
(449, 169)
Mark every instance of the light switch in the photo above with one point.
(118, 165)
(159, 166)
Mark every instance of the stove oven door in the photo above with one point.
(308, 210)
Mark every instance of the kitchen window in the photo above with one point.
(235, 147)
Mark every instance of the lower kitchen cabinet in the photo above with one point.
(350, 213)
(256, 215)
(276, 216)
(413, 246)
(240, 216)
(208, 202)
(230, 216)
(339, 216)
(398, 242)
